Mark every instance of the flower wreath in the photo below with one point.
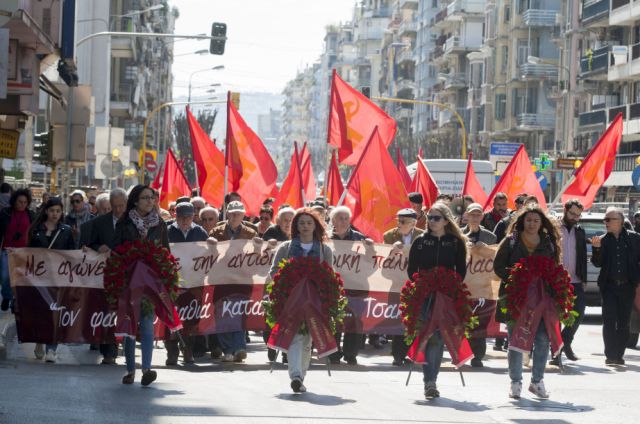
(557, 284)
(327, 281)
(437, 279)
(119, 267)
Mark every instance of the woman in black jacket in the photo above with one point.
(141, 221)
(443, 244)
(48, 232)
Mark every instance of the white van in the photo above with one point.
(449, 173)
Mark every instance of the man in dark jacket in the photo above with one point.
(574, 259)
(499, 211)
(617, 253)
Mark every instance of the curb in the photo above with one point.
(7, 334)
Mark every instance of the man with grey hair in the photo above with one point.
(102, 204)
(198, 204)
(617, 254)
(209, 218)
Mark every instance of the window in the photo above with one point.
(501, 106)
(505, 60)
(507, 14)
(523, 51)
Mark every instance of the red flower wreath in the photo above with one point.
(556, 282)
(327, 281)
(119, 267)
(437, 279)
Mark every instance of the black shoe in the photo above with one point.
(296, 385)
(397, 362)
(430, 391)
(272, 354)
(93, 347)
(5, 304)
(334, 361)
(171, 362)
(285, 359)
(610, 361)
(375, 342)
(351, 360)
(129, 378)
(148, 377)
(569, 353)
(497, 348)
(108, 360)
(555, 361)
(476, 363)
(619, 361)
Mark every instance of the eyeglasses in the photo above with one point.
(435, 218)
(607, 219)
(76, 201)
(404, 221)
(145, 198)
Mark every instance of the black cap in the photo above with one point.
(416, 197)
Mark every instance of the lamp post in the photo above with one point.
(198, 52)
(215, 68)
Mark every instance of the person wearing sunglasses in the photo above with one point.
(264, 220)
(79, 214)
(441, 245)
(401, 238)
(617, 254)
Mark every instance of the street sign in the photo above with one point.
(9, 143)
(151, 165)
(635, 178)
(500, 154)
(153, 154)
(566, 163)
(542, 180)
(543, 162)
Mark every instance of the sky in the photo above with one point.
(268, 42)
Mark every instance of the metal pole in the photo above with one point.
(147, 35)
(70, 105)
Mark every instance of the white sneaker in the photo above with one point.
(39, 351)
(538, 389)
(50, 356)
(227, 357)
(516, 389)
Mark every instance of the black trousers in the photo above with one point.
(569, 332)
(351, 343)
(109, 350)
(173, 349)
(478, 347)
(399, 348)
(617, 302)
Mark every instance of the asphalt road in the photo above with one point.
(78, 390)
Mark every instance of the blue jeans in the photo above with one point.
(433, 355)
(232, 342)
(540, 354)
(146, 341)
(4, 276)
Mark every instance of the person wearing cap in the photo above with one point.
(479, 237)
(417, 204)
(233, 344)
(402, 237)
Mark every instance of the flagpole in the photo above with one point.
(344, 193)
(327, 155)
(226, 160)
(562, 190)
(295, 150)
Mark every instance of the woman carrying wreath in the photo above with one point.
(141, 222)
(442, 245)
(532, 234)
(307, 240)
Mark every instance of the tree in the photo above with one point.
(206, 119)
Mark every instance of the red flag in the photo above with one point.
(424, 184)
(292, 186)
(156, 181)
(308, 180)
(597, 166)
(402, 170)
(209, 163)
(351, 117)
(252, 173)
(174, 183)
(472, 186)
(420, 152)
(375, 190)
(334, 182)
(518, 178)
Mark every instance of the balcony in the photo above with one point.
(406, 56)
(439, 19)
(539, 18)
(455, 81)
(593, 11)
(598, 120)
(454, 44)
(409, 4)
(408, 29)
(623, 12)
(536, 121)
(122, 100)
(460, 8)
(595, 64)
(624, 63)
(538, 71)
(123, 48)
(405, 87)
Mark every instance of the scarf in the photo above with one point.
(81, 217)
(144, 223)
(295, 249)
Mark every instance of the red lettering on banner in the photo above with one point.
(32, 269)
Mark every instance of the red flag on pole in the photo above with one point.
(597, 166)
(375, 190)
(424, 184)
(252, 173)
(351, 117)
(334, 182)
(517, 178)
(402, 170)
(472, 186)
(308, 180)
(209, 163)
(292, 186)
(156, 181)
(174, 183)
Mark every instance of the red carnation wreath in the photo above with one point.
(437, 279)
(119, 267)
(557, 284)
(328, 283)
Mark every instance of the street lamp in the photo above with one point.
(215, 68)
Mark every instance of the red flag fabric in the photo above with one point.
(335, 188)
(308, 180)
(252, 173)
(472, 186)
(517, 178)
(209, 163)
(174, 183)
(424, 184)
(156, 181)
(292, 187)
(375, 190)
(351, 117)
(597, 166)
(402, 170)
(420, 152)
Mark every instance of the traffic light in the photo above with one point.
(218, 29)
(42, 148)
(366, 90)
(235, 99)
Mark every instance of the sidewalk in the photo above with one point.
(7, 332)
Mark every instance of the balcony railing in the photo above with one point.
(458, 80)
(594, 10)
(539, 18)
(466, 6)
(615, 4)
(406, 56)
(538, 71)
(597, 61)
(625, 162)
(594, 117)
(536, 121)
(453, 43)
(408, 27)
(406, 85)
